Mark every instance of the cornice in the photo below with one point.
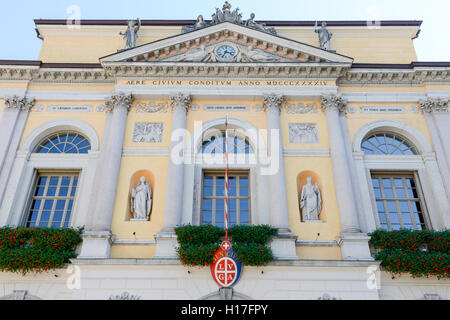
(329, 71)
(63, 73)
(412, 74)
(415, 74)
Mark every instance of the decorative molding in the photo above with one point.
(134, 241)
(119, 100)
(180, 101)
(38, 108)
(300, 108)
(333, 102)
(430, 105)
(226, 15)
(124, 296)
(148, 132)
(315, 243)
(233, 32)
(146, 152)
(243, 70)
(326, 296)
(306, 152)
(414, 76)
(273, 102)
(19, 103)
(152, 107)
(303, 133)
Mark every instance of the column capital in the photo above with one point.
(180, 101)
(430, 105)
(119, 100)
(19, 103)
(333, 102)
(273, 101)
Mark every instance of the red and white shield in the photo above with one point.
(225, 272)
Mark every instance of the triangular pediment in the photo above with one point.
(227, 42)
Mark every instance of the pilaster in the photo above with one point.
(173, 208)
(283, 246)
(353, 243)
(97, 237)
(12, 125)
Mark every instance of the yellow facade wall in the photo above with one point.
(88, 44)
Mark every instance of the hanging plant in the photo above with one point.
(197, 244)
(26, 250)
(420, 253)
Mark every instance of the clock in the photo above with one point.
(226, 52)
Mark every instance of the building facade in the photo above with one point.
(335, 130)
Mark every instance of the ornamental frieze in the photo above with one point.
(152, 107)
(300, 108)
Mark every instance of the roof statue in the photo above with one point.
(131, 34)
(226, 15)
(324, 36)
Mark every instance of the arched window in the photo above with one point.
(398, 196)
(213, 186)
(387, 144)
(237, 144)
(64, 142)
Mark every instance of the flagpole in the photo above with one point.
(226, 178)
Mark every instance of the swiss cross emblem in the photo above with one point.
(226, 268)
(226, 245)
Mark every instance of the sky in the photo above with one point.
(19, 41)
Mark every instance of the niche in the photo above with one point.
(314, 210)
(134, 181)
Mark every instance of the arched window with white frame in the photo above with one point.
(53, 191)
(398, 195)
(247, 187)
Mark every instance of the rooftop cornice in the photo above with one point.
(273, 23)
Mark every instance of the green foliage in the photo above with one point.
(252, 234)
(418, 264)
(205, 234)
(399, 252)
(197, 244)
(438, 241)
(197, 254)
(37, 249)
(253, 254)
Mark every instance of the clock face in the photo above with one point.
(226, 52)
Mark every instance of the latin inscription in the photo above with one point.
(248, 83)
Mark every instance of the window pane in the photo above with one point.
(50, 204)
(60, 204)
(207, 204)
(403, 211)
(213, 202)
(387, 144)
(64, 142)
(243, 191)
(63, 191)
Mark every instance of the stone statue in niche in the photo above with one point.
(141, 201)
(130, 35)
(310, 202)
